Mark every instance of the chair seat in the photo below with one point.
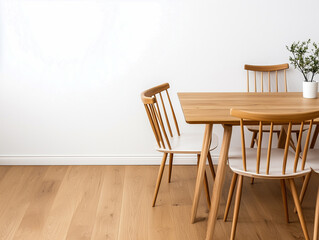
(189, 143)
(277, 128)
(276, 161)
(313, 159)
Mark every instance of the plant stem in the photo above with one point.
(300, 68)
(313, 74)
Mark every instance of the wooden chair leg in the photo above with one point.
(219, 182)
(252, 180)
(252, 144)
(205, 184)
(230, 195)
(284, 198)
(253, 139)
(207, 190)
(297, 136)
(237, 205)
(292, 144)
(314, 138)
(170, 167)
(316, 223)
(211, 166)
(298, 206)
(159, 178)
(304, 189)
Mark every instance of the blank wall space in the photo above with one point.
(71, 72)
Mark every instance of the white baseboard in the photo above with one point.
(98, 160)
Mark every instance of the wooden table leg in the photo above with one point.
(219, 181)
(315, 135)
(282, 136)
(201, 169)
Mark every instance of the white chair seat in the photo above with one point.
(189, 143)
(275, 170)
(313, 159)
(277, 128)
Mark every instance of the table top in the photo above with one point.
(214, 108)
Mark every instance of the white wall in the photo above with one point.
(71, 71)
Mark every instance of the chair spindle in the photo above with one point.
(262, 81)
(153, 112)
(243, 149)
(269, 88)
(284, 164)
(276, 81)
(247, 81)
(255, 82)
(285, 80)
(298, 148)
(304, 156)
(259, 146)
(269, 146)
(152, 124)
(166, 117)
(173, 113)
(158, 113)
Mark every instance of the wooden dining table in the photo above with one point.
(211, 108)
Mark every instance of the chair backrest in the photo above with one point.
(266, 69)
(154, 110)
(273, 119)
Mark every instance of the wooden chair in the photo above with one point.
(313, 162)
(271, 163)
(268, 71)
(153, 100)
(313, 154)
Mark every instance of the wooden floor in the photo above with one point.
(114, 202)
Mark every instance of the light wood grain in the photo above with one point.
(266, 68)
(11, 186)
(159, 178)
(41, 202)
(66, 201)
(82, 223)
(219, 181)
(135, 204)
(282, 170)
(214, 108)
(230, 195)
(201, 169)
(107, 220)
(298, 207)
(237, 206)
(156, 110)
(205, 184)
(29, 196)
(284, 198)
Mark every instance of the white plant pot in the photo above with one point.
(310, 89)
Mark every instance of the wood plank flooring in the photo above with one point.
(114, 202)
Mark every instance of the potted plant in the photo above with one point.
(306, 60)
